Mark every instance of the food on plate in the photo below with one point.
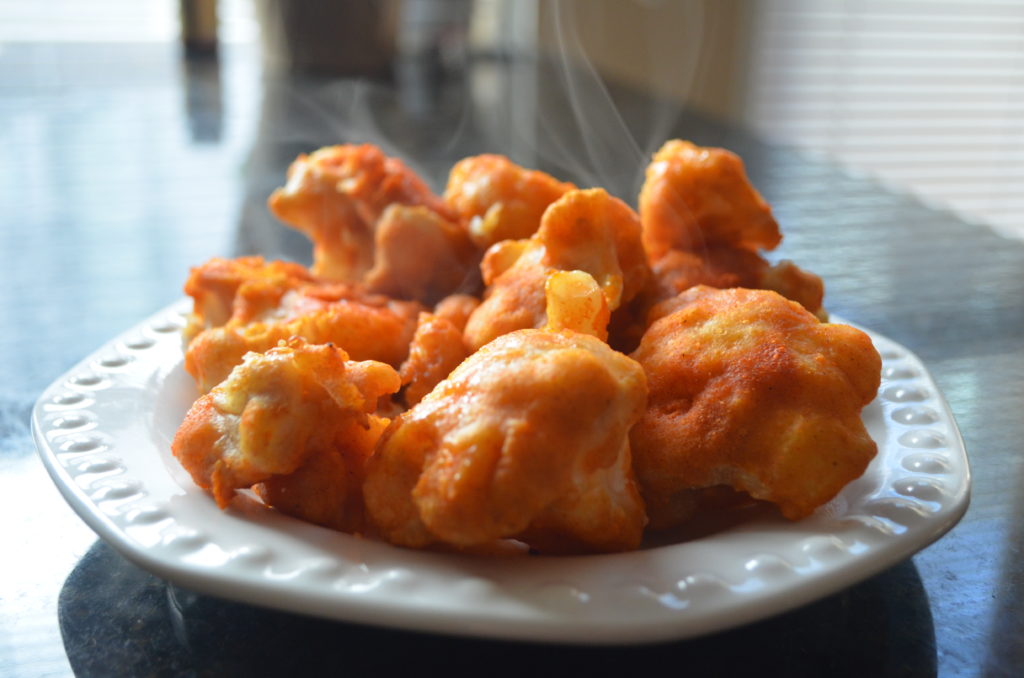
(367, 327)
(298, 418)
(695, 197)
(421, 255)
(522, 364)
(456, 309)
(749, 390)
(215, 285)
(587, 230)
(527, 439)
(436, 349)
(499, 200)
(704, 224)
(336, 195)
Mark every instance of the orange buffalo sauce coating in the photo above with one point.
(499, 200)
(298, 418)
(442, 376)
(749, 390)
(336, 195)
(590, 231)
(526, 439)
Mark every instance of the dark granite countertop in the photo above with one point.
(123, 165)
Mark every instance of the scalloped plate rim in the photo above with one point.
(569, 618)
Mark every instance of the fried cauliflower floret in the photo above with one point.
(589, 231)
(456, 309)
(366, 327)
(725, 267)
(750, 390)
(500, 200)
(298, 418)
(335, 196)
(695, 197)
(796, 284)
(435, 351)
(525, 439)
(705, 224)
(327, 488)
(421, 255)
(220, 286)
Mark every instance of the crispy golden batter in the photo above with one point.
(498, 199)
(586, 230)
(421, 255)
(704, 224)
(726, 267)
(217, 285)
(695, 197)
(299, 418)
(327, 489)
(366, 327)
(527, 438)
(796, 284)
(544, 436)
(335, 196)
(436, 350)
(750, 390)
(456, 309)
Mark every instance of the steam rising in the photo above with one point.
(534, 94)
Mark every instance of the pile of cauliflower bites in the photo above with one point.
(522, 365)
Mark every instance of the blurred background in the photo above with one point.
(925, 95)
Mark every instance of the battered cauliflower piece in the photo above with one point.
(527, 439)
(725, 267)
(421, 255)
(456, 309)
(500, 200)
(704, 224)
(217, 285)
(751, 391)
(367, 327)
(796, 284)
(335, 196)
(436, 350)
(695, 197)
(298, 418)
(587, 230)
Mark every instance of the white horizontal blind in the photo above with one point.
(928, 95)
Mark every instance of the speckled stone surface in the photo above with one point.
(114, 614)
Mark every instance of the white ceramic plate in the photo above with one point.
(104, 429)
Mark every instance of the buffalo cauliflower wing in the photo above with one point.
(749, 390)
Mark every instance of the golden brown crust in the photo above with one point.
(752, 391)
(422, 256)
(436, 350)
(335, 196)
(694, 197)
(275, 416)
(499, 200)
(365, 328)
(215, 285)
(587, 230)
(526, 437)
(544, 435)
